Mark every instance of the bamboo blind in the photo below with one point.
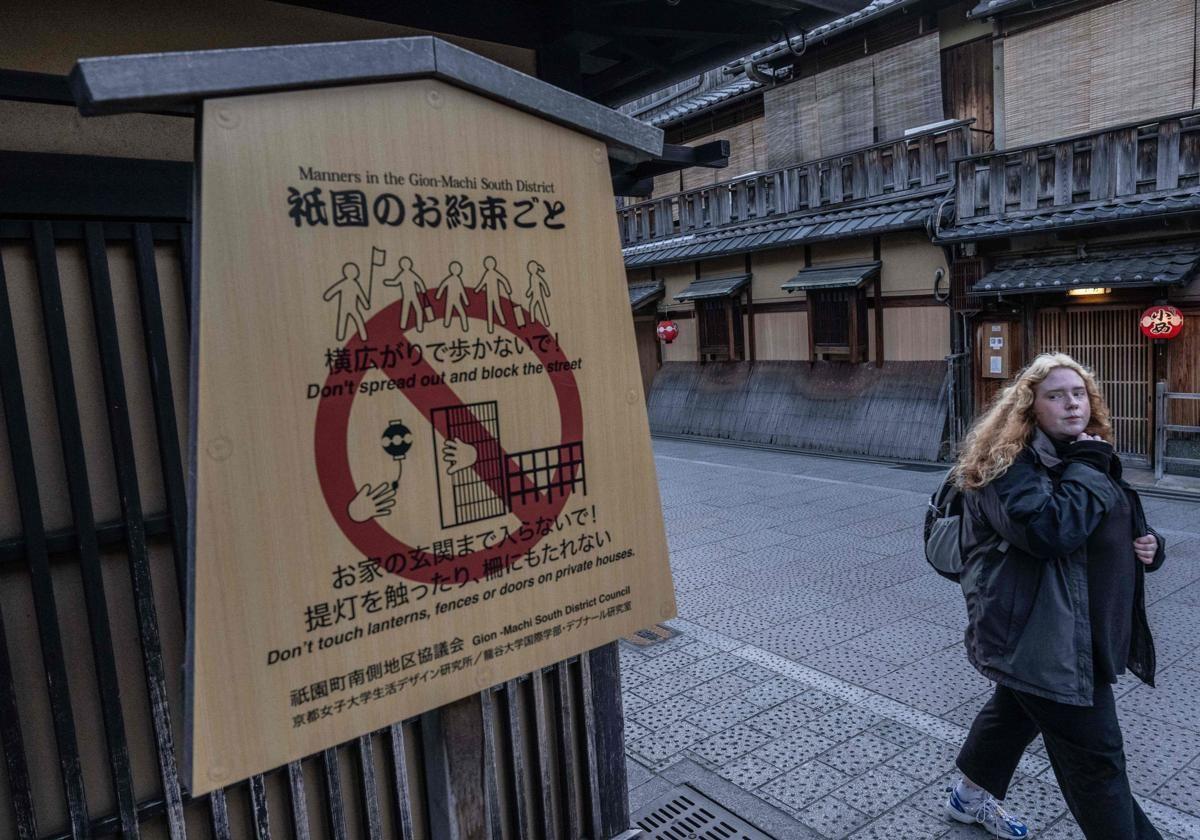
(747, 153)
(1108, 341)
(872, 98)
(1120, 62)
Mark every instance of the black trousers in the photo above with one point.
(1084, 746)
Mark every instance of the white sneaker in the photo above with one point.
(988, 813)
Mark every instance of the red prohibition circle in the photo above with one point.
(332, 425)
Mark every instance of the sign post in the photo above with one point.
(421, 460)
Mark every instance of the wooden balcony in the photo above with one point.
(909, 165)
(1129, 161)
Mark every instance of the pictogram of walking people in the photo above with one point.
(496, 289)
(412, 295)
(353, 301)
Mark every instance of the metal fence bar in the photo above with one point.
(131, 507)
(33, 527)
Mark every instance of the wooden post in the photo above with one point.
(1160, 431)
(879, 320)
(1064, 173)
(997, 200)
(1029, 179)
(900, 166)
(965, 203)
(750, 310)
(729, 338)
(852, 305)
(1168, 155)
(1125, 152)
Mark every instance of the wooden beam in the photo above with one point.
(750, 309)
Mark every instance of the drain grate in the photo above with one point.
(686, 814)
(652, 635)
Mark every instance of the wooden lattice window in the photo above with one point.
(721, 335)
(838, 324)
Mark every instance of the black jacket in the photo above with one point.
(1025, 574)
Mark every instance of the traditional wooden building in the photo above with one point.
(920, 197)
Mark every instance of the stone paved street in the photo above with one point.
(818, 685)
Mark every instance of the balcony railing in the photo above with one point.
(917, 162)
(1136, 159)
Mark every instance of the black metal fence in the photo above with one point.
(93, 519)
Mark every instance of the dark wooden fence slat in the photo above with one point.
(154, 336)
(401, 786)
(20, 792)
(516, 740)
(491, 785)
(32, 525)
(259, 810)
(602, 682)
(333, 794)
(219, 808)
(370, 788)
(542, 737)
(131, 507)
(566, 718)
(299, 800)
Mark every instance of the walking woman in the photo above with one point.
(1056, 548)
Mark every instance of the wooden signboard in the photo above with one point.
(422, 462)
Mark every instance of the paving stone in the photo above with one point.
(1035, 803)
(660, 688)
(635, 773)
(843, 723)
(633, 703)
(754, 674)
(709, 598)
(832, 818)
(847, 664)
(721, 688)
(634, 731)
(669, 741)
(793, 749)
(773, 691)
(877, 790)
(723, 715)
(631, 678)
(904, 821)
(749, 772)
(1175, 699)
(1182, 791)
(805, 784)
(740, 624)
(820, 700)
(711, 667)
(1154, 751)
(896, 732)
(666, 664)
(784, 718)
(904, 641)
(729, 744)
(936, 684)
(858, 754)
(656, 716)
(925, 760)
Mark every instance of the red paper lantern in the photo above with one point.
(667, 331)
(1161, 321)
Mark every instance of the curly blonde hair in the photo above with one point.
(1008, 425)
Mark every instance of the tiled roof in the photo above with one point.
(714, 287)
(641, 294)
(871, 11)
(702, 101)
(861, 220)
(743, 85)
(1121, 209)
(832, 277)
(1141, 265)
(994, 7)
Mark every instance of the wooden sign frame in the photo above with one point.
(420, 456)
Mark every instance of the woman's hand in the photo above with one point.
(1086, 436)
(1145, 548)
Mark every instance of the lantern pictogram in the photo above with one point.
(1161, 321)
(667, 331)
(397, 440)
